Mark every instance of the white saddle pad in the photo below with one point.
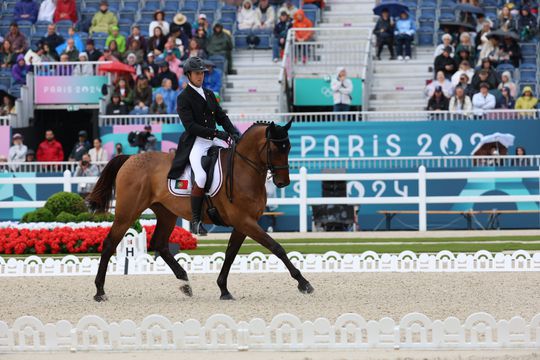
(182, 186)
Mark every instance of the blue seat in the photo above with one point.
(425, 37)
(190, 5)
(210, 17)
(5, 80)
(208, 6)
(428, 4)
(41, 29)
(219, 61)
(529, 67)
(505, 67)
(527, 76)
(228, 8)
(528, 60)
(15, 90)
(228, 17)
(228, 26)
(26, 30)
(528, 49)
(171, 6)
(446, 17)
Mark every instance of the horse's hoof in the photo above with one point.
(186, 290)
(306, 288)
(227, 296)
(100, 298)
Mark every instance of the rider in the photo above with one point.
(199, 112)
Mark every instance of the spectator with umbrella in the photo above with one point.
(467, 13)
(510, 52)
(526, 24)
(384, 31)
(404, 35)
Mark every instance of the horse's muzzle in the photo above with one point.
(282, 184)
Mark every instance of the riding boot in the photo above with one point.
(196, 225)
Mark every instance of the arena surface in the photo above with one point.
(372, 295)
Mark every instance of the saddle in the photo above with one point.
(208, 163)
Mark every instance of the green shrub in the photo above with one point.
(66, 217)
(137, 226)
(39, 215)
(85, 217)
(66, 202)
(103, 217)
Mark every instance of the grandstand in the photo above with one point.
(390, 124)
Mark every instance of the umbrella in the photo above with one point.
(469, 9)
(117, 67)
(394, 8)
(500, 141)
(502, 34)
(453, 26)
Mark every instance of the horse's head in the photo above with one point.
(277, 153)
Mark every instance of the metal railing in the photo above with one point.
(69, 68)
(345, 163)
(4, 120)
(110, 120)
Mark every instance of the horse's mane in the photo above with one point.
(260, 123)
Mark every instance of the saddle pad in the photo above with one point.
(182, 186)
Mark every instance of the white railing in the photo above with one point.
(303, 201)
(256, 262)
(350, 116)
(284, 332)
(69, 68)
(4, 120)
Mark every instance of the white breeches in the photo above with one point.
(200, 148)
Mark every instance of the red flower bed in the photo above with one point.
(67, 240)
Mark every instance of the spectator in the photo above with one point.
(482, 77)
(17, 152)
(507, 100)
(131, 60)
(507, 82)
(70, 50)
(464, 68)
(438, 102)
(169, 95)
(125, 92)
(220, 43)
(93, 53)
(140, 109)
(136, 36)
(142, 92)
(213, 78)
(445, 63)
(50, 149)
(460, 102)
(52, 38)
(510, 52)
(202, 23)
(520, 159)
(179, 43)
(246, 17)
(46, 11)
(265, 15)
(83, 69)
(180, 22)
(481, 42)
(446, 42)
(526, 24)
(16, 39)
(302, 22)
(342, 89)
(158, 106)
(19, 71)
(8, 107)
(72, 34)
(80, 148)
(47, 54)
(118, 38)
(505, 19)
(65, 69)
(30, 156)
(150, 63)
(156, 43)
(118, 150)
(280, 35)
(201, 38)
(175, 65)
(86, 168)
(26, 10)
(103, 20)
(65, 10)
(7, 55)
(483, 101)
(441, 81)
(384, 31)
(149, 140)
(195, 50)
(165, 73)
(113, 48)
(115, 107)
(465, 44)
(159, 21)
(289, 8)
(98, 153)
(404, 35)
(526, 101)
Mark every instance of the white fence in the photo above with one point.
(69, 68)
(256, 262)
(284, 332)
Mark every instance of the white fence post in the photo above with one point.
(67, 181)
(303, 199)
(422, 214)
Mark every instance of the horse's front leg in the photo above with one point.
(252, 229)
(235, 242)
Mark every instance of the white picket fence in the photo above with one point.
(284, 332)
(257, 262)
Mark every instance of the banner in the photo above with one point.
(52, 90)
(317, 92)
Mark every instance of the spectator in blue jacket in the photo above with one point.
(404, 35)
(19, 70)
(280, 35)
(169, 95)
(72, 34)
(212, 79)
(26, 10)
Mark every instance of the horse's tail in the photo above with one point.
(100, 197)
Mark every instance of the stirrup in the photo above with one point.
(197, 228)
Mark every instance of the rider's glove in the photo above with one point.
(221, 135)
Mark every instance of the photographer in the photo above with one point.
(144, 140)
(342, 88)
(85, 168)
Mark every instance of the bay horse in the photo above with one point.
(140, 182)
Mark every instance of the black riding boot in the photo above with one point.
(196, 225)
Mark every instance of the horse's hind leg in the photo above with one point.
(166, 221)
(235, 242)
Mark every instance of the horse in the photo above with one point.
(140, 182)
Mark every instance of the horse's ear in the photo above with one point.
(288, 125)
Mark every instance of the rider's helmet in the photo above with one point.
(194, 64)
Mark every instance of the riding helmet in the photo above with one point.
(194, 64)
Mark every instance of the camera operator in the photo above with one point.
(342, 88)
(86, 168)
(147, 140)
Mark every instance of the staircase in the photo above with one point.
(255, 87)
(356, 13)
